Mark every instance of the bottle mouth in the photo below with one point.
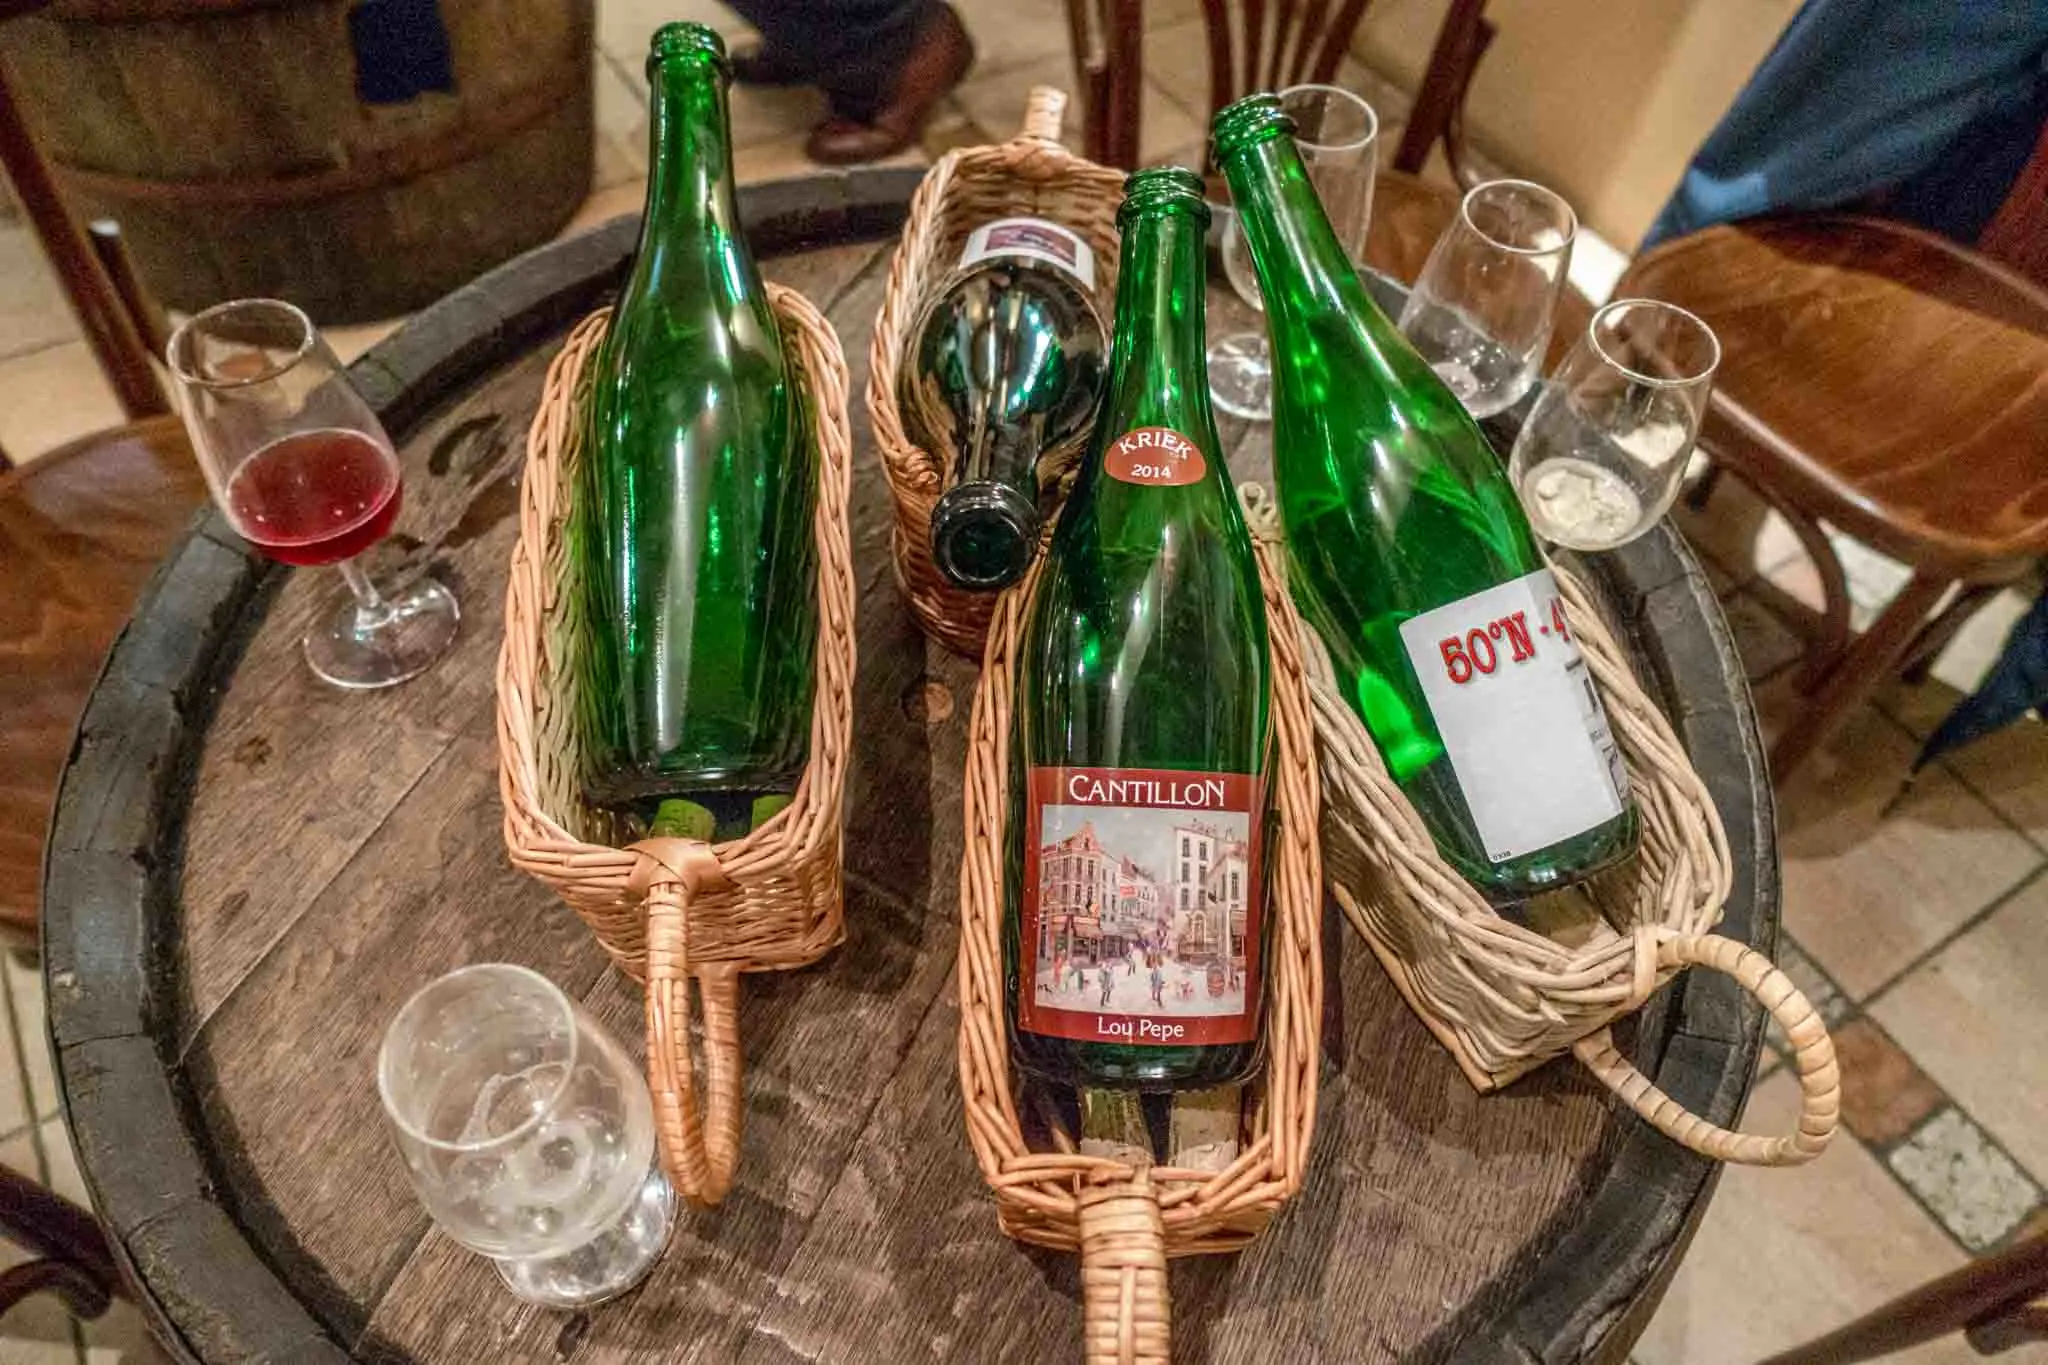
(1161, 189)
(984, 535)
(1246, 123)
(683, 39)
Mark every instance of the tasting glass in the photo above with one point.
(304, 471)
(1605, 447)
(528, 1133)
(1481, 310)
(1338, 137)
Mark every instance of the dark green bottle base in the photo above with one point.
(736, 801)
(1111, 1066)
(1561, 865)
(1440, 801)
(1551, 869)
(632, 786)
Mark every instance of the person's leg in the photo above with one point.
(877, 117)
(840, 45)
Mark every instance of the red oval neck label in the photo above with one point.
(1159, 456)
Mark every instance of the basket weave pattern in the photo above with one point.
(672, 910)
(1504, 998)
(1031, 174)
(1126, 1221)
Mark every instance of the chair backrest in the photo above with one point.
(2017, 235)
(118, 338)
(1265, 45)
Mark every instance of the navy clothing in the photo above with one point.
(1925, 110)
(1918, 109)
(850, 48)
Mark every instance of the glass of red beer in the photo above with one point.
(304, 471)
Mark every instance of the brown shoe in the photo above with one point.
(938, 60)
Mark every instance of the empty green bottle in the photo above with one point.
(1001, 379)
(1137, 875)
(1412, 557)
(694, 532)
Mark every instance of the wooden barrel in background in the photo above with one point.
(294, 148)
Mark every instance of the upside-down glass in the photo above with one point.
(1338, 134)
(1481, 310)
(305, 472)
(528, 1133)
(1605, 448)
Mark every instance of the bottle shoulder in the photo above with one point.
(1152, 569)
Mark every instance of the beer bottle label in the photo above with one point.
(1035, 238)
(1514, 703)
(1143, 897)
(1159, 456)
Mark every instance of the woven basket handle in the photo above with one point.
(1126, 1314)
(700, 1143)
(1045, 110)
(1813, 1058)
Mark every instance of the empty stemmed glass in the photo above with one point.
(304, 472)
(1605, 447)
(1338, 134)
(1481, 310)
(528, 1134)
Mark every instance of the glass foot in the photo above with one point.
(609, 1264)
(1241, 376)
(361, 647)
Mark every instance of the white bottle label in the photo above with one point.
(1036, 238)
(1515, 704)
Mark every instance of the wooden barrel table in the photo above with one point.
(251, 871)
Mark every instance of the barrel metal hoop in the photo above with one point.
(490, 124)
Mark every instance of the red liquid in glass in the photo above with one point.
(315, 497)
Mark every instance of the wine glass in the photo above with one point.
(1481, 310)
(1605, 448)
(1338, 134)
(528, 1134)
(304, 471)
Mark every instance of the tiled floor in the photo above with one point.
(1919, 919)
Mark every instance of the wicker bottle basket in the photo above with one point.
(1504, 998)
(1030, 174)
(670, 911)
(1127, 1221)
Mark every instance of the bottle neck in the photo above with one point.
(691, 208)
(1299, 259)
(1159, 374)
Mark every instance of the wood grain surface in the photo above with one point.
(339, 851)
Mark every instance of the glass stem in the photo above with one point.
(371, 608)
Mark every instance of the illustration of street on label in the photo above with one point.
(1142, 906)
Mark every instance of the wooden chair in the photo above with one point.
(1885, 381)
(1996, 1303)
(1306, 42)
(81, 529)
(73, 1260)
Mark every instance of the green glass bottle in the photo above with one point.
(1137, 875)
(1001, 377)
(1412, 557)
(694, 527)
